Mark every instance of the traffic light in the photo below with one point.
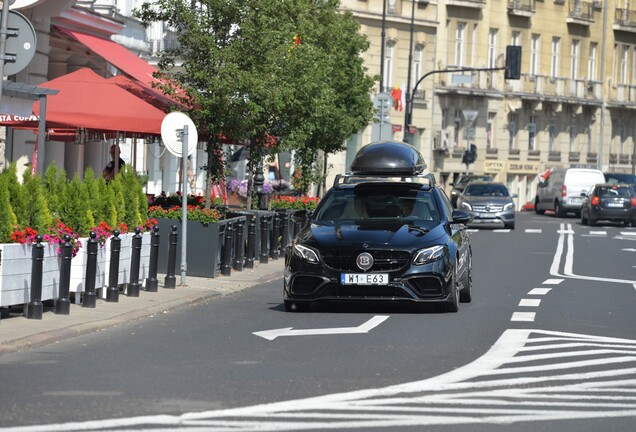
(470, 155)
(513, 62)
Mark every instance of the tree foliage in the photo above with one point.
(283, 73)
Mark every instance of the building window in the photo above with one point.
(388, 65)
(589, 137)
(492, 48)
(574, 61)
(459, 44)
(515, 40)
(623, 132)
(554, 61)
(572, 136)
(623, 66)
(512, 130)
(552, 133)
(490, 128)
(458, 125)
(535, 54)
(473, 44)
(417, 65)
(532, 133)
(591, 62)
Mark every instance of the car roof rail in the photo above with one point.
(350, 178)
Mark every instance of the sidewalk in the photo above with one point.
(18, 333)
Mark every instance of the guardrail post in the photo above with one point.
(226, 257)
(112, 292)
(264, 256)
(151, 281)
(35, 308)
(273, 245)
(170, 280)
(135, 259)
(284, 229)
(251, 241)
(239, 245)
(63, 303)
(90, 297)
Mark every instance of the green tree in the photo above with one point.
(74, 207)
(7, 217)
(19, 201)
(38, 215)
(52, 189)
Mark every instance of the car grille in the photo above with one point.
(383, 260)
(365, 292)
(426, 286)
(489, 208)
(304, 285)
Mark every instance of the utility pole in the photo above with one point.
(408, 97)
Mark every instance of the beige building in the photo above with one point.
(575, 104)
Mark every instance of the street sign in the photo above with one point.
(21, 43)
(381, 128)
(171, 126)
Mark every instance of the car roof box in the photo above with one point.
(388, 158)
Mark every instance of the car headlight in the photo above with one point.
(306, 253)
(466, 206)
(454, 192)
(428, 255)
(508, 206)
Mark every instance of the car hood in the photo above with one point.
(483, 200)
(397, 235)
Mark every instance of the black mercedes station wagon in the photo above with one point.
(384, 232)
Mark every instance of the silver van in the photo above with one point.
(560, 189)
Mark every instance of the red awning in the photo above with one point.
(115, 54)
(86, 100)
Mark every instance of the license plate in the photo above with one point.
(486, 215)
(364, 278)
(615, 204)
(576, 200)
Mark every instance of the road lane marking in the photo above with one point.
(289, 331)
(533, 230)
(539, 291)
(552, 281)
(598, 233)
(628, 233)
(501, 230)
(523, 316)
(530, 302)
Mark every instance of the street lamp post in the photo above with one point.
(408, 97)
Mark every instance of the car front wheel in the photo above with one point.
(466, 294)
(452, 304)
(558, 210)
(537, 210)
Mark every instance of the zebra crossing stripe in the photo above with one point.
(539, 291)
(523, 316)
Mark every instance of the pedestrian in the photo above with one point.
(115, 165)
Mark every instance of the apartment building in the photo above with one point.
(575, 104)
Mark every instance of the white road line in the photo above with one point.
(501, 230)
(628, 233)
(523, 316)
(530, 302)
(472, 230)
(539, 291)
(598, 233)
(552, 281)
(561, 231)
(533, 230)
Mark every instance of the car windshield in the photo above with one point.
(494, 190)
(378, 202)
(467, 179)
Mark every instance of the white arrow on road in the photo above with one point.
(363, 328)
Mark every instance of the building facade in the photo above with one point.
(575, 104)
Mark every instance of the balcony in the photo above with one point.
(623, 158)
(473, 4)
(625, 20)
(523, 8)
(491, 153)
(592, 157)
(554, 156)
(574, 156)
(580, 12)
(622, 94)
(534, 155)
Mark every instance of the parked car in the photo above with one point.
(560, 189)
(488, 203)
(461, 183)
(614, 178)
(611, 202)
(385, 232)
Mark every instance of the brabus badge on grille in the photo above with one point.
(364, 261)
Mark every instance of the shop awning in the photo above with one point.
(115, 54)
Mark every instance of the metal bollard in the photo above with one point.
(135, 260)
(90, 297)
(251, 242)
(284, 229)
(226, 257)
(264, 256)
(63, 303)
(171, 280)
(273, 244)
(112, 292)
(35, 308)
(151, 281)
(239, 245)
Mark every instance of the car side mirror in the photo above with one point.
(460, 217)
(583, 194)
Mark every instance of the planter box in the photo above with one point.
(203, 248)
(15, 273)
(78, 269)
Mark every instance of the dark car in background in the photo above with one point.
(488, 204)
(385, 232)
(610, 202)
(461, 183)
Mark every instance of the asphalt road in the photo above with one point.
(548, 343)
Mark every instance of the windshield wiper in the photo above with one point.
(418, 228)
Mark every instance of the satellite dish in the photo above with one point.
(172, 130)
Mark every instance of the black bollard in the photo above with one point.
(239, 245)
(35, 308)
(251, 241)
(63, 303)
(151, 281)
(90, 297)
(264, 256)
(284, 229)
(273, 244)
(171, 280)
(135, 261)
(112, 292)
(226, 257)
